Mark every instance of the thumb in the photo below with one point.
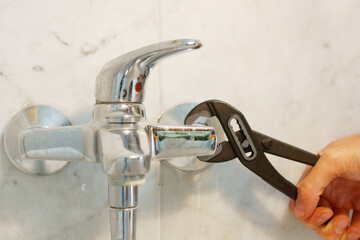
(311, 188)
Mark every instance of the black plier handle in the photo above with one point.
(250, 146)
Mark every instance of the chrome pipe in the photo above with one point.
(123, 209)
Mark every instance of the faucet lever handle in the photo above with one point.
(123, 78)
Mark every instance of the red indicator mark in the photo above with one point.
(138, 87)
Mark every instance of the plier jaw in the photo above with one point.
(249, 146)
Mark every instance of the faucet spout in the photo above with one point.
(123, 79)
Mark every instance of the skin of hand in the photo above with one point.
(330, 189)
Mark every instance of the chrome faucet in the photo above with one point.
(118, 137)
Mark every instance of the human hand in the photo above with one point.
(331, 189)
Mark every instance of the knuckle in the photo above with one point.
(305, 187)
(329, 156)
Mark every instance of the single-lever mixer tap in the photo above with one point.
(39, 139)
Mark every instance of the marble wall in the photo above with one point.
(290, 66)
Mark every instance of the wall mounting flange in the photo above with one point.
(36, 116)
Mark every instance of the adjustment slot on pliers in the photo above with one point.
(242, 138)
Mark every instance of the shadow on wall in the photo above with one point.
(224, 201)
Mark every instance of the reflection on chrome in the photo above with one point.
(118, 137)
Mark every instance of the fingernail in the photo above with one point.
(324, 217)
(353, 236)
(341, 225)
(299, 211)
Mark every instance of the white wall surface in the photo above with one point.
(291, 67)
